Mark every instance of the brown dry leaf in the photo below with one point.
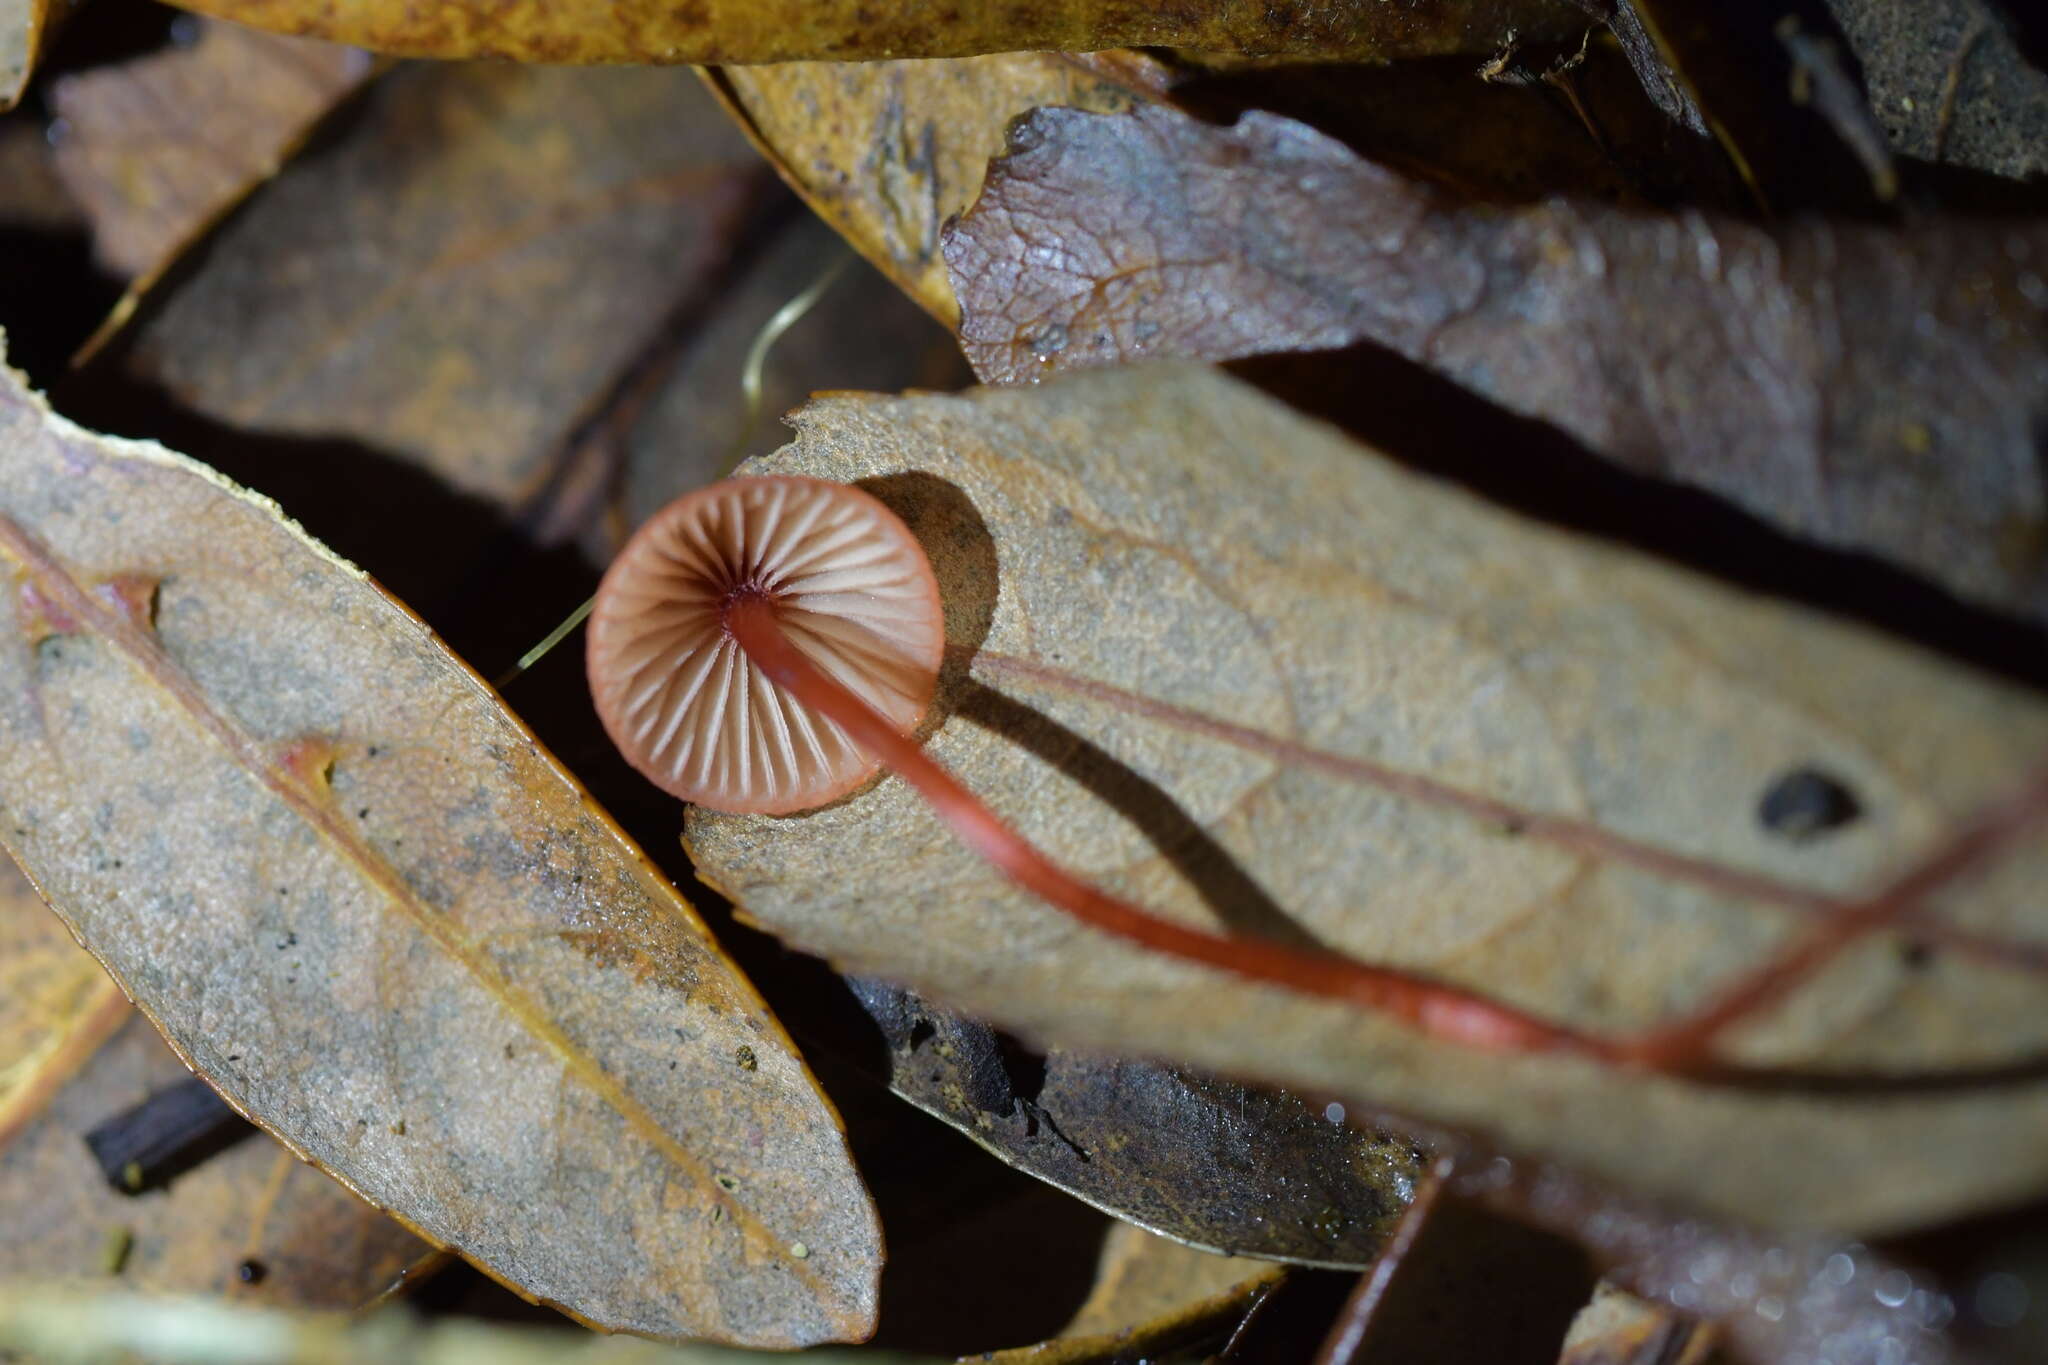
(159, 147)
(1290, 639)
(365, 904)
(1151, 1296)
(462, 279)
(887, 152)
(1617, 1328)
(1868, 388)
(56, 1005)
(318, 1245)
(714, 31)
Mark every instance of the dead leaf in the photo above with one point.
(56, 1005)
(797, 30)
(25, 27)
(1207, 1161)
(1617, 1328)
(1436, 736)
(887, 152)
(461, 280)
(362, 900)
(314, 1245)
(159, 147)
(1697, 349)
(1151, 1297)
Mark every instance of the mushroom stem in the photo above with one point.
(1433, 1007)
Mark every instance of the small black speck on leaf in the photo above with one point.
(251, 1271)
(1805, 804)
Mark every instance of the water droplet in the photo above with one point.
(2001, 1299)
(1770, 1308)
(1334, 1112)
(1684, 1297)
(1777, 1262)
(1894, 1287)
(1839, 1270)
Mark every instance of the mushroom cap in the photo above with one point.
(852, 590)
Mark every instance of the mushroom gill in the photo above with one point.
(852, 592)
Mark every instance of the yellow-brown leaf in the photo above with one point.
(846, 30)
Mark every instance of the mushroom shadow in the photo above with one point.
(1225, 887)
(956, 538)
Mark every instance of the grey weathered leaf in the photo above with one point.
(1201, 1159)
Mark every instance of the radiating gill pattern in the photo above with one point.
(852, 590)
